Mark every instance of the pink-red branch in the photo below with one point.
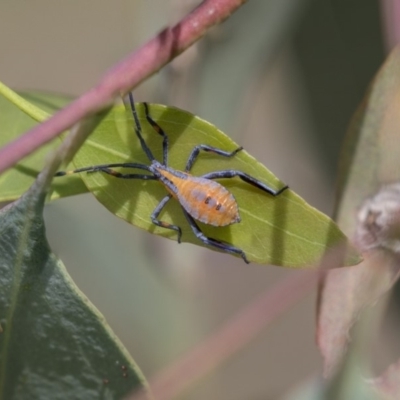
(138, 66)
(390, 12)
(230, 338)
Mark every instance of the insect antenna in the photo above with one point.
(138, 129)
(160, 131)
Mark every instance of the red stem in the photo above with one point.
(230, 338)
(390, 11)
(138, 66)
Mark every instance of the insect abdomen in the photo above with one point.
(204, 199)
(208, 202)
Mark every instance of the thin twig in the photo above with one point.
(138, 66)
(390, 14)
(230, 338)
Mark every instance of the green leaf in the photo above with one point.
(14, 122)
(284, 230)
(53, 343)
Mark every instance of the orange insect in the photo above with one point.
(201, 198)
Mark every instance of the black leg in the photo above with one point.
(245, 177)
(160, 131)
(195, 152)
(95, 168)
(156, 221)
(228, 248)
(117, 174)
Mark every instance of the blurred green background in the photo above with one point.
(282, 77)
